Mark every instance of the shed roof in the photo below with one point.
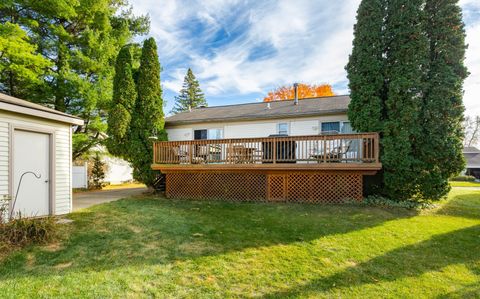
(12, 104)
(260, 110)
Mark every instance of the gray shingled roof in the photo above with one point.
(23, 103)
(252, 111)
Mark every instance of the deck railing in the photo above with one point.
(340, 148)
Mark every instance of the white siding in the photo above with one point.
(63, 170)
(180, 134)
(259, 128)
(62, 151)
(304, 127)
(4, 129)
(249, 130)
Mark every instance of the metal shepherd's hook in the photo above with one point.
(38, 176)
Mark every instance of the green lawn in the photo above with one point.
(155, 247)
(464, 184)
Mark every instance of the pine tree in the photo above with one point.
(366, 68)
(78, 41)
(442, 111)
(190, 96)
(123, 103)
(147, 118)
(98, 172)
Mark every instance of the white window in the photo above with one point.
(215, 133)
(347, 128)
(282, 128)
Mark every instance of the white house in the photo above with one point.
(308, 117)
(35, 157)
(294, 150)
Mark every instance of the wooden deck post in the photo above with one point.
(274, 150)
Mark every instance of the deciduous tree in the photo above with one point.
(21, 68)
(304, 91)
(471, 127)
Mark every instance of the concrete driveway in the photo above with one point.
(87, 199)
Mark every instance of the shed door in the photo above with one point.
(31, 153)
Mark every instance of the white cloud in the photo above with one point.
(311, 42)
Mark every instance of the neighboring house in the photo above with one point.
(36, 143)
(242, 152)
(472, 157)
(117, 170)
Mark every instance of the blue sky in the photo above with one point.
(239, 50)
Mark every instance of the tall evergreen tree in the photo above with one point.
(365, 68)
(442, 112)
(191, 96)
(123, 103)
(406, 62)
(148, 118)
(406, 73)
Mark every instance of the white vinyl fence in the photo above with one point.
(80, 176)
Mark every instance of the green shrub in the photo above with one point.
(25, 231)
(380, 201)
(463, 178)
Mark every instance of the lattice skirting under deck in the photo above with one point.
(308, 187)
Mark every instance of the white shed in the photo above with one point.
(35, 157)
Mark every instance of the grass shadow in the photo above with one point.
(460, 246)
(462, 204)
(157, 231)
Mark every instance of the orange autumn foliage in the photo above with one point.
(304, 91)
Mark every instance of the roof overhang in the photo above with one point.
(250, 118)
(15, 105)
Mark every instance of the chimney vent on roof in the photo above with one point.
(295, 87)
(268, 106)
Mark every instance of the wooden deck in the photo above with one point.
(315, 153)
(314, 169)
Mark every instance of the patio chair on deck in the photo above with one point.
(180, 155)
(333, 156)
(241, 154)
